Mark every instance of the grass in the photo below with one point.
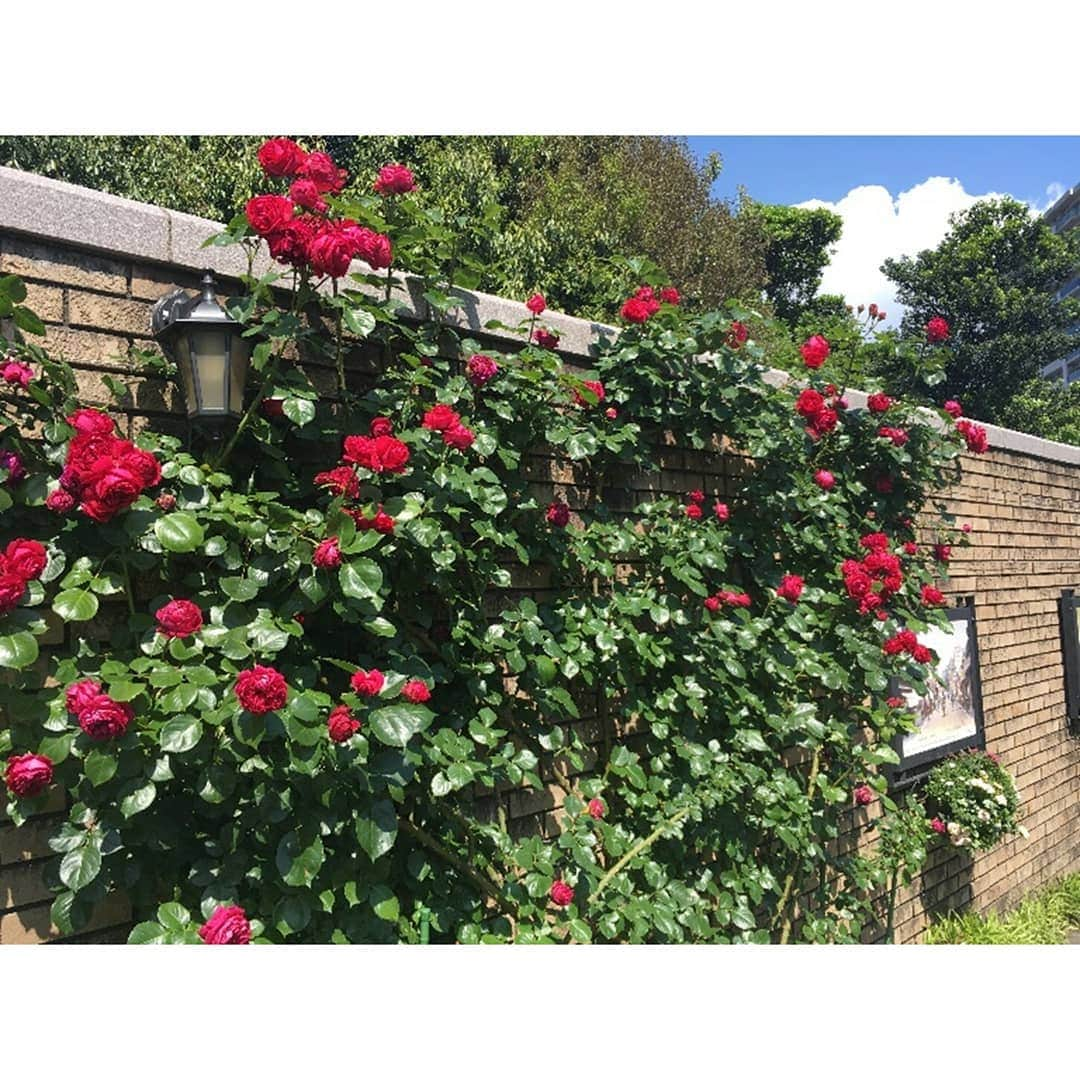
(1043, 918)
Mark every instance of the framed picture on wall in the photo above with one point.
(1070, 653)
(949, 716)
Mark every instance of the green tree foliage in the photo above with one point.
(1046, 407)
(558, 210)
(994, 278)
(797, 252)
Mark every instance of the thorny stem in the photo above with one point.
(637, 849)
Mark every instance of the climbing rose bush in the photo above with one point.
(306, 684)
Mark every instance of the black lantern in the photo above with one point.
(206, 344)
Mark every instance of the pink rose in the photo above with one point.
(824, 479)
(79, 695)
(367, 683)
(536, 304)
(416, 691)
(179, 618)
(28, 775)
(864, 795)
(102, 718)
(596, 808)
(327, 554)
(481, 369)
(561, 893)
(227, 926)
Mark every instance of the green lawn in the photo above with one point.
(1043, 918)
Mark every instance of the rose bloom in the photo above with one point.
(938, 825)
(636, 311)
(546, 339)
(974, 435)
(91, 422)
(595, 386)
(440, 418)
(878, 403)
(79, 695)
(910, 547)
(721, 511)
(304, 193)
(536, 304)
(670, 295)
(416, 691)
(28, 775)
(102, 718)
(327, 555)
(883, 485)
(179, 618)
(790, 587)
(558, 513)
(932, 596)
(459, 437)
(268, 213)
(561, 893)
(809, 403)
(737, 335)
(367, 683)
(341, 481)
(382, 522)
(952, 407)
(261, 689)
(13, 463)
(281, 157)
(17, 373)
(12, 588)
(381, 425)
(60, 501)
(341, 725)
(289, 244)
(394, 180)
(822, 423)
(815, 351)
(696, 496)
(864, 795)
(27, 558)
(895, 702)
(712, 604)
(897, 436)
(273, 406)
(320, 168)
(481, 369)
(937, 330)
(824, 479)
(921, 654)
(596, 809)
(382, 454)
(374, 248)
(942, 552)
(611, 413)
(332, 250)
(227, 926)
(693, 511)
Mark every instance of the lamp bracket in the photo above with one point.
(169, 308)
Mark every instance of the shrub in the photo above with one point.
(975, 798)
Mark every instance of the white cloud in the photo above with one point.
(878, 226)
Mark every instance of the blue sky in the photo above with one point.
(894, 193)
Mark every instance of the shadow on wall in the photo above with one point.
(946, 881)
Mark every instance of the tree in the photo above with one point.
(993, 278)
(1047, 408)
(797, 252)
(542, 213)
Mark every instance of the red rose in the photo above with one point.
(536, 304)
(17, 373)
(441, 418)
(883, 485)
(809, 403)
(932, 596)
(721, 511)
(381, 454)
(558, 513)
(332, 250)
(938, 825)
(382, 522)
(596, 809)
(60, 501)
(895, 702)
(937, 330)
(822, 423)
(878, 403)
(374, 248)
(341, 481)
(367, 683)
(596, 387)
(953, 408)
(481, 369)
(790, 587)
(227, 926)
(116, 490)
(268, 213)
(648, 297)
(11, 461)
(561, 893)
(942, 552)
(610, 413)
(824, 479)
(864, 795)
(693, 511)
(966, 527)
(28, 775)
(636, 311)
(91, 422)
(320, 168)
(416, 691)
(974, 436)
(79, 695)
(381, 425)
(273, 407)
(670, 295)
(304, 193)
(281, 157)
(261, 689)
(737, 335)
(142, 462)
(874, 542)
(27, 558)
(12, 588)
(459, 437)
(102, 718)
(394, 180)
(921, 654)
(712, 604)
(179, 618)
(341, 724)
(910, 547)
(696, 496)
(897, 436)
(290, 243)
(546, 339)
(327, 554)
(815, 351)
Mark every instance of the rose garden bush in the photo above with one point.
(319, 686)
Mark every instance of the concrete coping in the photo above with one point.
(52, 210)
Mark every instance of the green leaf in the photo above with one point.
(297, 862)
(299, 410)
(395, 725)
(361, 579)
(140, 796)
(358, 321)
(291, 915)
(18, 650)
(237, 588)
(378, 832)
(384, 903)
(180, 734)
(179, 698)
(146, 933)
(99, 767)
(178, 532)
(75, 605)
(173, 916)
(80, 867)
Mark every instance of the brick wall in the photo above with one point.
(92, 276)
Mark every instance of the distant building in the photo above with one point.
(1061, 217)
